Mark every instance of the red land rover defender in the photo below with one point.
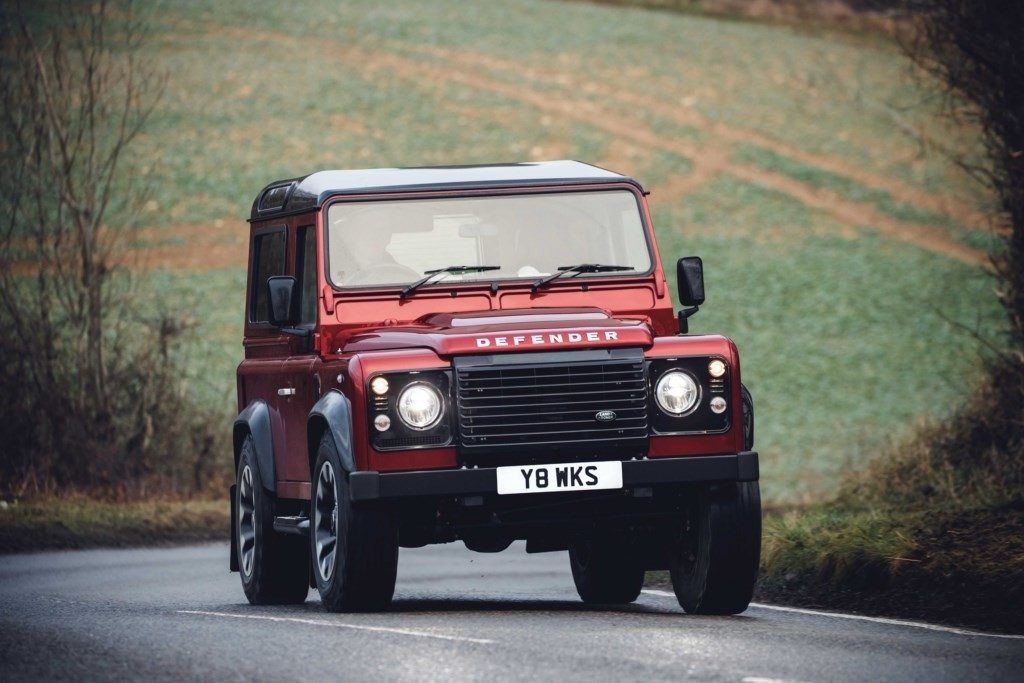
(483, 354)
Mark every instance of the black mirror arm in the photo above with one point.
(684, 324)
(303, 333)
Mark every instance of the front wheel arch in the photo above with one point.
(331, 415)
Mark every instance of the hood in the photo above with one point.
(532, 329)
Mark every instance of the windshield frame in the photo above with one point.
(492, 192)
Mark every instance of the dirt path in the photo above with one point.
(201, 245)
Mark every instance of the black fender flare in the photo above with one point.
(748, 418)
(255, 421)
(332, 415)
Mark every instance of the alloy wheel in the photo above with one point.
(326, 521)
(246, 521)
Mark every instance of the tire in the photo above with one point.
(358, 573)
(274, 567)
(714, 566)
(604, 573)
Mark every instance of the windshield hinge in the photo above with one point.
(327, 293)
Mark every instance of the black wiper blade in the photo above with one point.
(432, 275)
(579, 269)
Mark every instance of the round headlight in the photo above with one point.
(676, 392)
(419, 405)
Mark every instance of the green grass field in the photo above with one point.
(839, 241)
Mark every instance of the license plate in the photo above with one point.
(570, 476)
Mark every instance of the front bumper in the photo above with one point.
(365, 486)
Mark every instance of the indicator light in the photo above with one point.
(379, 386)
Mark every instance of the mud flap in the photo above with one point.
(233, 562)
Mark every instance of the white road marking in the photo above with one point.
(762, 679)
(860, 617)
(339, 624)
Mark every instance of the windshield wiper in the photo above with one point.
(579, 269)
(431, 276)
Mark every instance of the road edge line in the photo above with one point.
(862, 617)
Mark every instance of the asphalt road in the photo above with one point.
(178, 614)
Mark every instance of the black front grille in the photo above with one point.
(540, 405)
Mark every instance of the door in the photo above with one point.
(266, 347)
(299, 385)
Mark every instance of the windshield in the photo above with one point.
(528, 236)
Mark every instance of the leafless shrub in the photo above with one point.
(974, 459)
(90, 391)
(974, 50)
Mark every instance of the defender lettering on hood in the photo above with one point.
(547, 339)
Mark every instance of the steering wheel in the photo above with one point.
(383, 273)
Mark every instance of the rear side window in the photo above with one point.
(307, 274)
(268, 259)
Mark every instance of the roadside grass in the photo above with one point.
(934, 528)
(943, 560)
(857, 548)
(70, 521)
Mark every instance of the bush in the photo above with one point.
(90, 380)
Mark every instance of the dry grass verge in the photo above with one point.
(934, 529)
(961, 567)
(61, 523)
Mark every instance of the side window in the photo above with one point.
(307, 274)
(268, 259)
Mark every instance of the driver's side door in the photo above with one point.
(267, 349)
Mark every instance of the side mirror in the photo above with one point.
(283, 300)
(690, 279)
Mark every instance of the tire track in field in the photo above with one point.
(687, 116)
(707, 159)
